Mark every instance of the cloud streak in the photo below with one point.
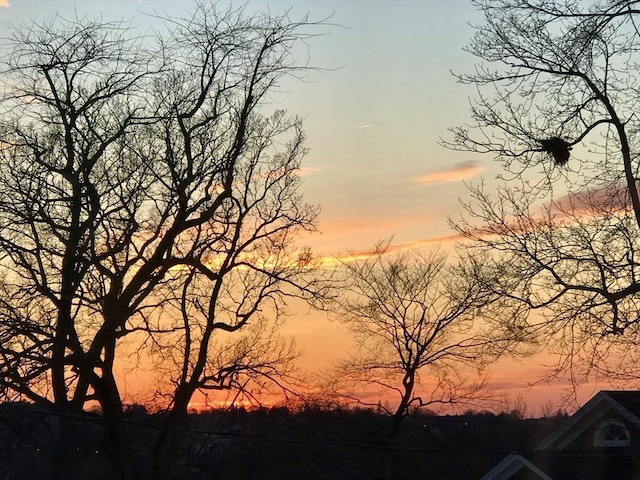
(305, 171)
(355, 255)
(459, 172)
(398, 247)
(605, 200)
(571, 209)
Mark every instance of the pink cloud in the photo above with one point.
(570, 208)
(459, 171)
(597, 201)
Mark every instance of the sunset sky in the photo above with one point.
(373, 117)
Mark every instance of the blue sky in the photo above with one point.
(372, 117)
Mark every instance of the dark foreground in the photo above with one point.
(274, 444)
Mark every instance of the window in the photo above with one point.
(612, 433)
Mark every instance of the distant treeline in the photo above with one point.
(277, 443)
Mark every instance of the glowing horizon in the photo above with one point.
(374, 112)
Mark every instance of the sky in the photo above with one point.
(374, 111)
(373, 116)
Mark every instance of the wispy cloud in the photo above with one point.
(599, 201)
(398, 247)
(304, 171)
(460, 171)
(574, 208)
(4, 3)
(368, 125)
(355, 255)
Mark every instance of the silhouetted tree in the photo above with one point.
(418, 324)
(557, 105)
(145, 204)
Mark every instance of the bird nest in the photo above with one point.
(557, 148)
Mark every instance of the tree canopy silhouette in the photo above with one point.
(557, 106)
(418, 322)
(148, 202)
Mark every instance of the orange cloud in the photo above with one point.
(460, 171)
(4, 3)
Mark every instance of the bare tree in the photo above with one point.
(557, 106)
(145, 198)
(417, 321)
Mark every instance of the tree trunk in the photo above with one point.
(65, 458)
(123, 460)
(164, 449)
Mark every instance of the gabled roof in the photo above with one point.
(629, 399)
(510, 466)
(624, 403)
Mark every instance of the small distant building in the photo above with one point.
(600, 441)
